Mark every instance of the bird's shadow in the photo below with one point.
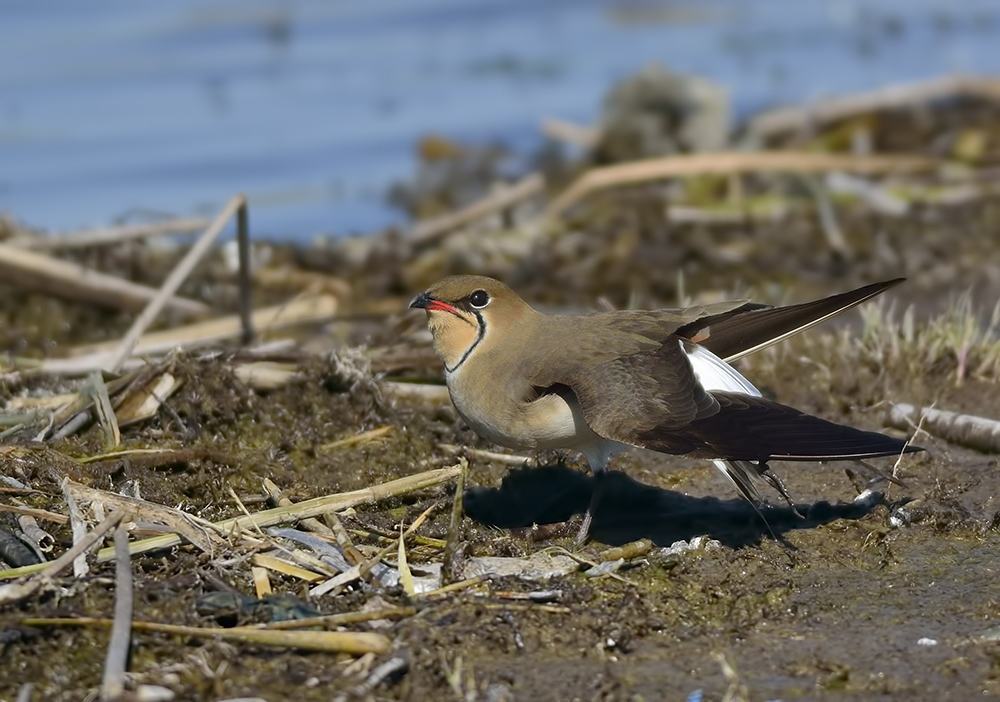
(628, 510)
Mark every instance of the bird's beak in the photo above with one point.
(425, 302)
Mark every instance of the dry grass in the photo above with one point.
(964, 338)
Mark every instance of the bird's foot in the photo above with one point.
(775, 482)
(588, 516)
(584, 532)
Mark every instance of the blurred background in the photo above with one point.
(114, 111)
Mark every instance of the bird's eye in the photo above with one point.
(479, 299)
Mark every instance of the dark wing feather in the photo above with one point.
(756, 429)
(735, 334)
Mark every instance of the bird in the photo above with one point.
(657, 379)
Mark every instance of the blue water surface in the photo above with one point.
(116, 110)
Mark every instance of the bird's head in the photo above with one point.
(467, 313)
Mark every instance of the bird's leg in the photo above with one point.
(764, 471)
(588, 516)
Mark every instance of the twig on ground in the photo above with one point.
(78, 525)
(177, 276)
(14, 592)
(196, 530)
(32, 271)
(302, 310)
(307, 508)
(278, 565)
(266, 375)
(244, 274)
(41, 539)
(979, 433)
(405, 576)
(362, 569)
(628, 551)
(116, 661)
(455, 586)
(351, 553)
(331, 620)
(109, 235)
(505, 458)
(432, 230)
(261, 581)
(98, 392)
(309, 524)
(145, 401)
(37, 513)
(329, 641)
(373, 532)
(788, 119)
(392, 668)
(728, 163)
(84, 359)
(425, 392)
(370, 435)
(450, 569)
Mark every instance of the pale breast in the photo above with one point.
(550, 421)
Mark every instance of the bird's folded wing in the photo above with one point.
(623, 396)
(757, 429)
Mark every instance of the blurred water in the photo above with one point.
(114, 109)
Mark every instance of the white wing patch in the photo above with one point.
(715, 374)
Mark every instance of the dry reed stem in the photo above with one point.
(405, 576)
(116, 660)
(727, 163)
(45, 572)
(448, 574)
(456, 586)
(109, 235)
(310, 524)
(194, 529)
(302, 310)
(364, 436)
(40, 539)
(978, 433)
(328, 641)
(425, 392)
(432, 230)
(307, 508)
(33, 271)
(37, 513)
(509, 459)
(332, 620)
(84, 359)
(278, 565)
(178, 275)
(361, 570)
(261, 581)
(788, 119)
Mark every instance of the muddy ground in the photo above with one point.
(850, 600)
